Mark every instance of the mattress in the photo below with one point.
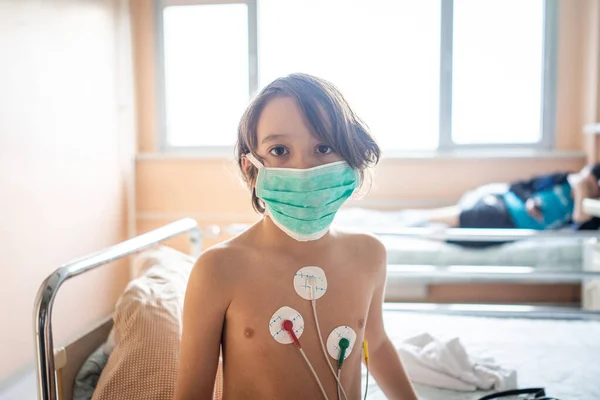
(557, 253)
(562, 356)
(560, 254)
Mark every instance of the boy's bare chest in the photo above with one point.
(343, 301)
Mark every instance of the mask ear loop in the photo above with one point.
(258, 165)
(254, 160)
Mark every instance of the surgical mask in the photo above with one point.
(303, 202)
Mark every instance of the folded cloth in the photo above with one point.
(446, 365)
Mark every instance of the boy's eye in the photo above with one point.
(278, 151)
(324, 149)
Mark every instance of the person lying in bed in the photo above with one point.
(551, 201)
(302, 151)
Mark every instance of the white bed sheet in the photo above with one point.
(557, 253)
(560, 254)
(562, 356)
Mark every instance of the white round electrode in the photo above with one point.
(276, 322)
(334, 338)
(307, 276)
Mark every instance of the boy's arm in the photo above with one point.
(384, 362)
(206, 301)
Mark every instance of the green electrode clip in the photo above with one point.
(344, 344)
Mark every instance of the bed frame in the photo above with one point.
(56, 371)
(69, 359)
(57, 368)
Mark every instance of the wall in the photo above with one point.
(66, 145)
(591, 107)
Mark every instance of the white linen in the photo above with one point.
(445, 364)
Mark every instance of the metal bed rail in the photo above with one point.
(478, 234)
(44, 343)
(496, 310)
(495, 274)
(456, 234)
(487, 273)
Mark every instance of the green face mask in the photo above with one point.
(303, 202)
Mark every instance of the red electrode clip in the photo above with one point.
(288, 326)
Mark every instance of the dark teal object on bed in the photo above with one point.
(556, 204)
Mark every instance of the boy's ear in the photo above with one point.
(246, 166)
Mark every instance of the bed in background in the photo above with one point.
(409, 242)
(559, 353)
(520, 266)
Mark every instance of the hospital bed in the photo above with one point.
(556, 347)
(438, 255)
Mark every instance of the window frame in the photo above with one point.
(161, 106)
(445, 141)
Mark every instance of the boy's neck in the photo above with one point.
(273, 236)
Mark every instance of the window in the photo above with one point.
(206, 72)
(497, 61)
(423, 74)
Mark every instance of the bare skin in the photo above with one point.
(444, 215)
(584, 185)
(236, 287)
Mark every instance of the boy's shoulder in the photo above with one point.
(364, 246)
(362, 239)
(223, 259)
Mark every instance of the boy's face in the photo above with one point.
(285, 139)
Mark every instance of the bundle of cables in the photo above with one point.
(343, 345)
(530, 394)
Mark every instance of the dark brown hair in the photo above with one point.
(328, 115)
